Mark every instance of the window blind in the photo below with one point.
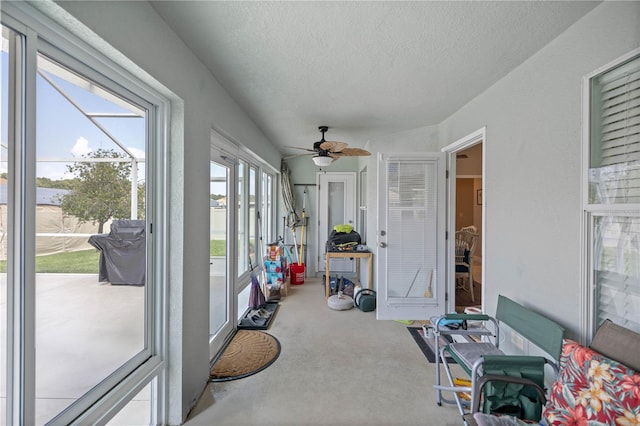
(412, 226)
(615, 135)
(617, 270)
(614, 180)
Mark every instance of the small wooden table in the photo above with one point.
(357, 255)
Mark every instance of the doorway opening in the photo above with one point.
(466, 221)
(468, 228)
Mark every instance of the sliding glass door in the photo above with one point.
(80, 293)
(7, 60)
(90, 172)
(221, 244)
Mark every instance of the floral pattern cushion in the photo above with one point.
(592, 389)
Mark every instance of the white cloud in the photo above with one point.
(81, 147)
(137, 152)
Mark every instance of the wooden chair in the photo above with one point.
(465, 246)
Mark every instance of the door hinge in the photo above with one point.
(446, 235)
(447, 174)
(151, 228)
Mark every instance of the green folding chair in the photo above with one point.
(500, 383)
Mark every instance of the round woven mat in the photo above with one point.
(249, 352)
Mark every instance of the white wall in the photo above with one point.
(136, 31)
(532, 175)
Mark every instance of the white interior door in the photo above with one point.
(336, 206)
(411, 236)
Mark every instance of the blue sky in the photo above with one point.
(63, 132)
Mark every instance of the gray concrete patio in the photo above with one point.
(84, 331)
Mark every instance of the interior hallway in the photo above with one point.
(463, 296)
(335, 368)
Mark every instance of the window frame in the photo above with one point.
(242, 198)
(592, 210)
(267, 204)
(245, 160)
(251, 163)
(42, 31)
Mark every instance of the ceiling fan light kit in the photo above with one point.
(322, 160)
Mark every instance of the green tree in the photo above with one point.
(44, 182)
(142, 191)
(101, 190)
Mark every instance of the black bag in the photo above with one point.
(365, 300)
(342, 241)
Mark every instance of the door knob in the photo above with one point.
(382, 245)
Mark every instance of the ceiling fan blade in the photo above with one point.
(297, 155)
(333, 146)
(353, 152)
(297, 147)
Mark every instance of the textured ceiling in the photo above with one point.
(361, 68)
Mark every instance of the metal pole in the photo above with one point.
(134, 189)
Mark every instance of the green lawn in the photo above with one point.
(217, 247)
(86, 261)
(75, 262)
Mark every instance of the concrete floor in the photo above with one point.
(335, 368)
(84, 331)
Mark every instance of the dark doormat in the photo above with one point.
(249, 352)
(259, 319)
(427, 344)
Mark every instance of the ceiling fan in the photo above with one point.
(326, 152)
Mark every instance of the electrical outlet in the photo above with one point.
(517, 340)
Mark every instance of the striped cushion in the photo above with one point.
(466, 354)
